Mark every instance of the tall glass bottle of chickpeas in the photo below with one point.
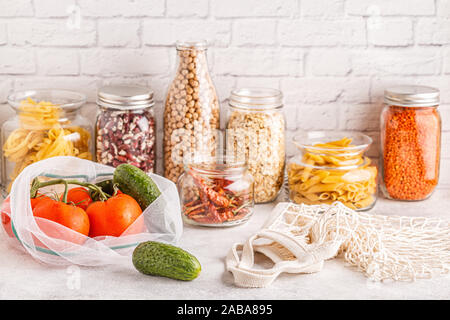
(191, 114)
(256, 133)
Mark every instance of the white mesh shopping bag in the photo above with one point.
(299, 238)
(161, 220)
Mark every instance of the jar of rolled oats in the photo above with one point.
(256, 134)
(191, 113)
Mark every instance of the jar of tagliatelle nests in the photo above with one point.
(48, 123)
(411, 142)
(191, 114)
(256, 134)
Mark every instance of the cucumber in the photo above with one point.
(136, 183)
(164, 260)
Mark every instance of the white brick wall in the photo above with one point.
(331, 58)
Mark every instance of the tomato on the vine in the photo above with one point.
(79, 196)
(67, 215)
(39, 198)
(6, 220)
(114, 216)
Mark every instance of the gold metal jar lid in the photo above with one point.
(412, 96)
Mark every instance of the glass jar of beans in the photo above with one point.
(411, 142)
(125, 127)
(191, 114)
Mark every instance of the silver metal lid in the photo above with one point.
(412, 96)
(256, 98)
(124, 97)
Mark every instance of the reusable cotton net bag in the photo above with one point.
(299, 238)
(55, 244)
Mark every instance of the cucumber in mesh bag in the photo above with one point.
(136, 183)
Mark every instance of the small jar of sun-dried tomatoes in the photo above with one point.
(216, 191)
(410, 142)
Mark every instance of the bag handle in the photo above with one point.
(246, 275)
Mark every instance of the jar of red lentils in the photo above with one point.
(410, 142)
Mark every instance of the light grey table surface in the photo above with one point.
(22, 277)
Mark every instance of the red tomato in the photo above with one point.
(67, 215)
(79, 196)
(39, 198)
(113, 216)
(6, 212)
(6, 220)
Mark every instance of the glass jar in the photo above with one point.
(216, 192)
(410, 142)
(331, 166)
(125, 128)
(256, 133)
(47, 123)
(191, 114)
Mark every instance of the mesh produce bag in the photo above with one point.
(299, 238)
(161, 221)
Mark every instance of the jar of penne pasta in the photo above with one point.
(47, 123)
(332, 167)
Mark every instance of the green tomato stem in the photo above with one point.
(36, 185)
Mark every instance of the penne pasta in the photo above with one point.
(311, 181)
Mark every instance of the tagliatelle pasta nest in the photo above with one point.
(41, 135)
(336, 174)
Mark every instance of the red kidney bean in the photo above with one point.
(126, 137)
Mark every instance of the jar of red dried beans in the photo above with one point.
(125, 127)
(410, 142)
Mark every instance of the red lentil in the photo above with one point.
(410, 138)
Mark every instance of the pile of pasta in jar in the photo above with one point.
(47, 124)
(332, 167)
(256, 134)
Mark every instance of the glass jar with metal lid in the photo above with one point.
(125, 127)
(410, 142)
(47, 123)
(256, 134)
